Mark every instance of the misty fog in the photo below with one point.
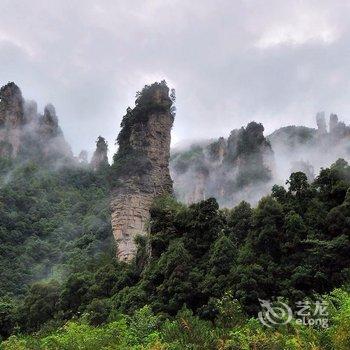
(198, 174)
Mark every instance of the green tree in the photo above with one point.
(40, 304)
(240, 222)
(7, 317)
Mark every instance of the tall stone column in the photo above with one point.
(141, 165)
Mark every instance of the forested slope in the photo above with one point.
(58, 263)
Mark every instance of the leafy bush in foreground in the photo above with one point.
(144, 330)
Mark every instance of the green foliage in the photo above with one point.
(40, 305)
(182, 161)
(55, 223)
(146, 102)
(194, 279)
(292, 136)
(7, 317)
(232, 330)
(240, 222)
(97, 312)
(49, 218)
(340, 317)
(251, 148)
(128, 163)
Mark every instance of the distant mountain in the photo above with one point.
(245, 165)
(27, 134)
(224, 168)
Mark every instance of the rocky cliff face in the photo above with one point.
(25, 133)
(53, 144)
(321, 124)
(99, 158)
(247, 164)
(228, 169)
(292, 137)
(141, 165)
(11, 119)
(300, 148)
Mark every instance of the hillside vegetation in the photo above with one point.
(194, 283)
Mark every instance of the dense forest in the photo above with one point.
(195, 281)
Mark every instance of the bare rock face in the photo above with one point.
(25, 133)
(30, 112)
(199, 193)
(11, 119)
(53, 144)
(321, 123)
(83, 157)
(333, 122)
(141, 165)
(217, 150)
(100, 158)
(229, 169)
(48, 123)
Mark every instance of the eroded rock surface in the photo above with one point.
(141, 165)
(99, 158)
(226, 169)
(11, 119)
(26, 133)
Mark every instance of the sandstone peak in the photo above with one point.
(321, 123)
(11, 119)
(333, 122)
(83, 157)
(11, 106)
(31, 111)
(25, 133)
(10, 93)
(100, 158)
(141, 165)
(48, 123)
(224, 168)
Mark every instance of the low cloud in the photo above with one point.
(230, 61)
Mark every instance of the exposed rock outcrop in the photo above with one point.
(337, 130)
(53, 144)
(99, 158)
(200, 185)
(299, 148)
(83, 157)
(25, 133)
(218, 150)
(225, 168)
(48, 124)
(11, 119)
(141, 165)
(333, 122)
(291, 138)
(247, 164)
(321, 123)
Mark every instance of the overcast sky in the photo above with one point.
(273, 61)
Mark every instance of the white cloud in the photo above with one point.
(277, 62)
(299, 29)
(294, 36)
